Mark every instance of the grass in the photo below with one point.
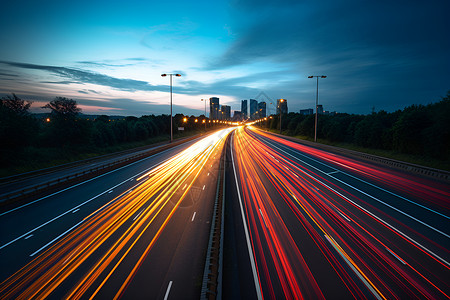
(33, 158)
(410, 158)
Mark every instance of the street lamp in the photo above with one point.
(204, 100)
(279, 107)
(317, 103)
(171, 125)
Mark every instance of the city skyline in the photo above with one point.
(109, 58)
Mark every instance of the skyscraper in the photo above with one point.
(225, 111)
(214, 108)
(253, 109)
(261, 110)
(244, 109)
(284, 108)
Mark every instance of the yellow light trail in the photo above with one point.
(158, 188)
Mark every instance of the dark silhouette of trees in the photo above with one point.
(18, 128)
(63, 107)
(16, 105)
(418, 129)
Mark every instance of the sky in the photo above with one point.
(109, 55)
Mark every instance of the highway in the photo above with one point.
(139, 231)
(315, 225)
(300, 223)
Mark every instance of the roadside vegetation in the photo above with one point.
(418, 134)
(30, 142)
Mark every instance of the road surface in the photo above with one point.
(139, 231)
(299, 223)
(304, 223)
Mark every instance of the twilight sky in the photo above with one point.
(109, 55)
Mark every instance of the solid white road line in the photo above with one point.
(71, 187)
(56, 238)
(374, 198)
(193, 217)
(362, 208)
(244, 222)
(366, 283)
(166, 296)
(73, 208)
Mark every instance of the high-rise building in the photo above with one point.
(237, 115)
(244, 109)
(225, 112)
(253, 109)
(214, 108)
(282, 105)
(261, 110)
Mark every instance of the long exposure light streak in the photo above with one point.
(113, 231)
(289, 207)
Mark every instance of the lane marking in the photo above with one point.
(354, 177)
(184, 186)
(138, 214)
(204, 187)
(208, 174)
(264, 220)
(368, 195)
(366, 283)
(332, 172)
(396, 256)
(79, 205)
(75, 210)
(192, 220)
(244, 222)
(344, 216)
(166, 296)
(28, 236)
(368, 212)
(110, 191)
(55, 239)
(94, 178)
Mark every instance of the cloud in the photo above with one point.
(81, 76)
(115, 63)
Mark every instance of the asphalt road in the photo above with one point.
(304, 223)
(299, 223)
(140, 231)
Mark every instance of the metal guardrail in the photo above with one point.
(62, 181)
(409, 167)
(212, 274)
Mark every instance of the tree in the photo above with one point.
(63, 107)
(18, 128)
(16, 104)
(64, 128)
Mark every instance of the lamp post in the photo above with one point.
(171, 125)
(317, 103)
(204, 100)
(279, 107)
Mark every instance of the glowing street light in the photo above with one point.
(317, 103)
(171, 125)
(279, 107)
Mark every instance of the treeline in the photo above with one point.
(418, 129)
(66, 131)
